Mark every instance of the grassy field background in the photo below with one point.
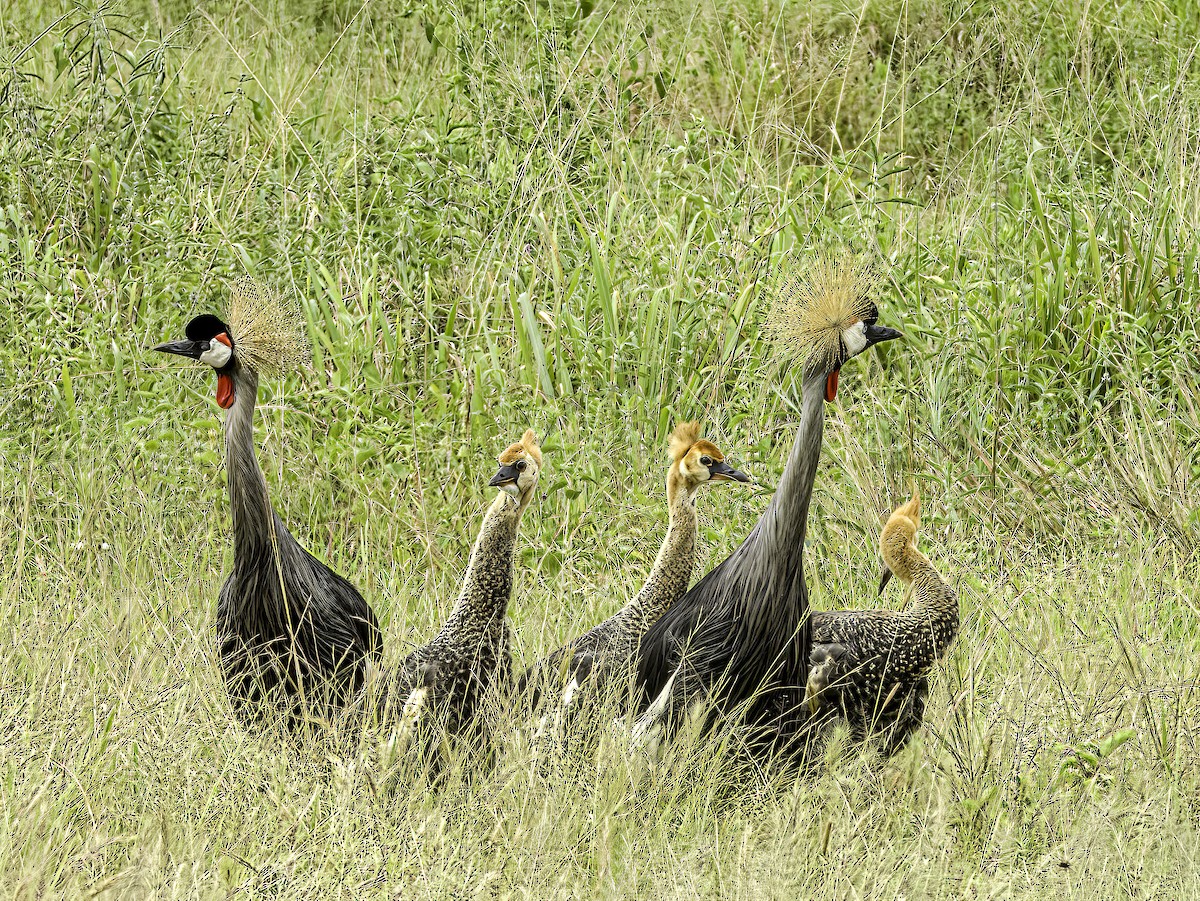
(562, 215)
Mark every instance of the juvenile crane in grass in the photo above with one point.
(741, 633)
(872, 666)
(441, 685)
(604, 657)
(295, 637)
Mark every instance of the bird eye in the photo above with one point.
(521, 465)
(706, 460)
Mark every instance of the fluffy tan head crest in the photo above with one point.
(268, 330)
(815, 302)
(911, 509)
(682, 437)
(527, 445)
(905, 521)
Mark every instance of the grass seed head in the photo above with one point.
(268, 330)
(815, 301)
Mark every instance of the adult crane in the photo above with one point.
(295, 637)
(740, 638)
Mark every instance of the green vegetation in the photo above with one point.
(561, 215)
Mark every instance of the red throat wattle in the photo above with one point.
(224, 391)
(831, 385)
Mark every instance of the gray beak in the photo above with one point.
(723, 472)
(507, 474)
(885, 576)
(876, 334)
(183, 348)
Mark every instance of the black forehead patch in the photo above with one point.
(871, 314)
(206, 327)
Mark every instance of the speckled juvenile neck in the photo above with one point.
(249, 504)
(934, 601)
(672, 570)
(487, 585)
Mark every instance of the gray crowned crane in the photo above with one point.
(740, 638)
(295, 637)
(872, 666)
(604, 657)
(438, 689)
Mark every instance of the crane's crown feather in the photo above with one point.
(527, 445)
(268, 330)
(686, 437)
(815, 303)
(682, 437)
(904, 523)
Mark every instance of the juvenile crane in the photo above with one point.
(872, 666)
(741, 633)
(294, 635)
(605, 656)
(472, 653)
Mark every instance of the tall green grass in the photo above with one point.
(564, 216)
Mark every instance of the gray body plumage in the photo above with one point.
(742, 631)
(872, 666)
(292, 632)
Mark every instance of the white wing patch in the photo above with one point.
(648, 728)
(414, 704)
(568, 697)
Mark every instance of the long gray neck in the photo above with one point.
(248, 501)
(784, 524)
(772, 626)
(672, 570)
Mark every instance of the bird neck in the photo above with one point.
(672, 570)
(487, 584)
(249, 505)
(771, 630)
(785, 522)
(934, 600)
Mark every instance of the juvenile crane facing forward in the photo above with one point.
(742, 631)
(605, 656)
(872, 666)
(293, 634)
(450, 676)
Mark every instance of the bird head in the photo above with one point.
(854, 339)
(698, 460)
(261, 331)
(519, 467)
(898, 541)
(208, 340)
(822, 315)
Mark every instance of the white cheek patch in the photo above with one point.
(217, 355)
(511, 488)
(855, 338)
